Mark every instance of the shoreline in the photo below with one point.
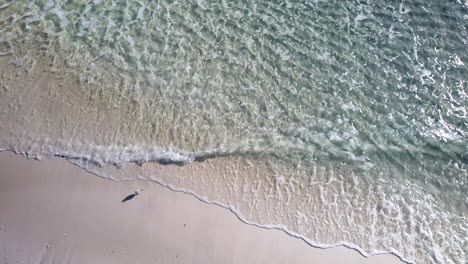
(54, 213)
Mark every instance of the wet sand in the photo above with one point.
(54, 212)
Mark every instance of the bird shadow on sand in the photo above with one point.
(131, 196)
(128, 198)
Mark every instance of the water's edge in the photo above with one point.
(231, 209)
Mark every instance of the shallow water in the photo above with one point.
(339, 122)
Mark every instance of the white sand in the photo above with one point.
(54, 212)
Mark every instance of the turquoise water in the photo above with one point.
(353, 113)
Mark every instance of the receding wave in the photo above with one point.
(341, 123)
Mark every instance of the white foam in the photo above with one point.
(419, 217)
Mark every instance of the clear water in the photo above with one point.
(340, 122)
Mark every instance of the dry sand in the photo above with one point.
(54, 212)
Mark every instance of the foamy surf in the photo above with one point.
(341, 124)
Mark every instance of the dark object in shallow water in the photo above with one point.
(131, 196)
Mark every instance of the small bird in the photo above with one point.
(132, 195)
(137, 192)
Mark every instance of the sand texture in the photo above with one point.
(54, 212)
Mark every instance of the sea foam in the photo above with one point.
(339, 123)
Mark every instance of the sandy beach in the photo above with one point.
(55, 212)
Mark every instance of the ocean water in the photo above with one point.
(339, 122)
